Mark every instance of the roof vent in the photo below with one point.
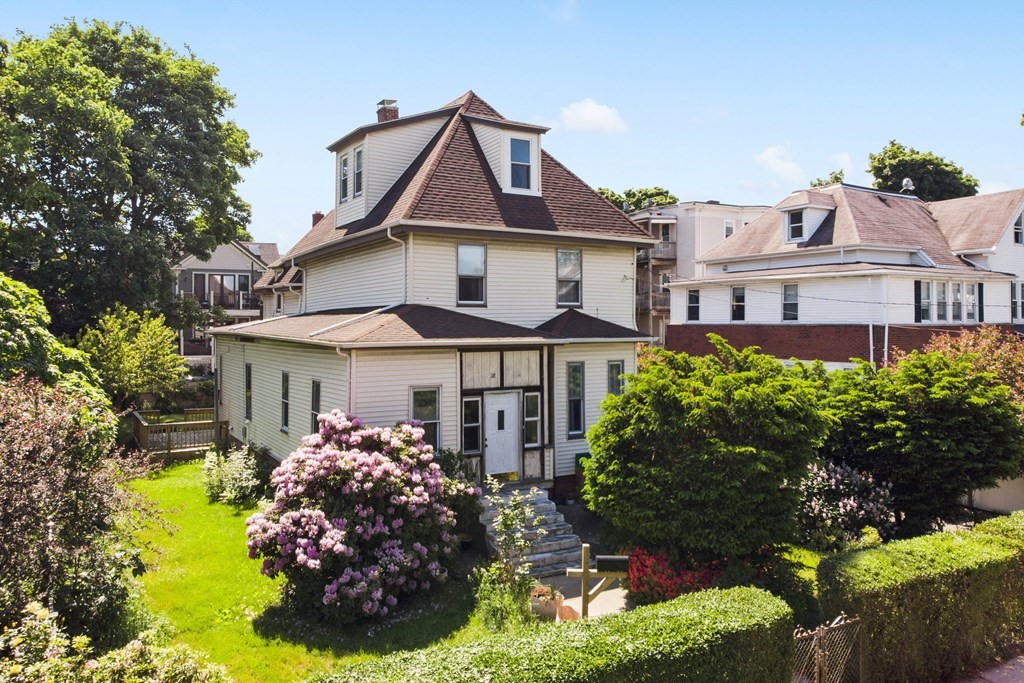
(387, 110)
(712, 201)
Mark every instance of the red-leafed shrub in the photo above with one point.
(654, 577)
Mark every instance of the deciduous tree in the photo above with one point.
(637, 198)
(116, 157)
(934, 178)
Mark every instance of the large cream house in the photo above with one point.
(465, 279)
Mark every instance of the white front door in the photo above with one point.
(502, 428)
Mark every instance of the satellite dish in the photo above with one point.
(908, 185)
(626, 208)
(650, 203)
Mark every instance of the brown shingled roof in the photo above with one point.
(861, 216)
(977, 222)
(413, 325)
(450, 181)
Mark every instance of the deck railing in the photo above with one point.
(176, 440)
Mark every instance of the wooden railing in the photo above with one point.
(176, 440)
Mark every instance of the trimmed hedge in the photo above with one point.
(736, 635)
(935, 605)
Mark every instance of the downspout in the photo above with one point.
(405, 275)
(347, 355)
(871, 323)
(885, 351)
(302, 292)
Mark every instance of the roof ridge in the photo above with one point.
(544, 153)
(437, 154)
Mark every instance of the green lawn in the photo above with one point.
(217, 601)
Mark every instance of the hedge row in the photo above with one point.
(935, 605)
(736, 635)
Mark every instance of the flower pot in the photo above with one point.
(546, 606)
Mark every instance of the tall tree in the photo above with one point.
(934, 178)
(116, 158)
(637, 197)
(833, 178)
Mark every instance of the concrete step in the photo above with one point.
(548, 564)
(540, 508)
(553, 543)
(554, 569)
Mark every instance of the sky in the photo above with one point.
(740, 102)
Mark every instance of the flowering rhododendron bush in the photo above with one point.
(361, 516)
(839, 502)
(654, 577)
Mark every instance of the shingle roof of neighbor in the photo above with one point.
(450, 181)
(872, 217)
(412, 325)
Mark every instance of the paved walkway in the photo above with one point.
(1010, 671)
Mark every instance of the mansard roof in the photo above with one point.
(450, 185)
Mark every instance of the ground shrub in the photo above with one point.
(36, 649)
(361, 516)
(838, 503)
(656, 577)
(234, 477)
(933, 606)
(739, 635)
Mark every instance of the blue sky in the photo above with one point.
(736, 101)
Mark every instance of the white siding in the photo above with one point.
(383, 381)
(1009, 256)
(521, 278)
(269, 360)
(371, 276)
(225, 257)
(390, 151)
(489, 138)
(1006, 497)
(595, 383)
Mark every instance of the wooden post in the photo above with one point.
(586, 581)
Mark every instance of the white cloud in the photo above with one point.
(776, 159)
(588, 115)
(991, 187)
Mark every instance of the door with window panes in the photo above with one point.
(502, 429)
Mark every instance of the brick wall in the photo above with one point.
(837, 343)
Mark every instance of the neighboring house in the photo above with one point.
(465, 279)
(224, 280)
(842, 271)
(685, 232)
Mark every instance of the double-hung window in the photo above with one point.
(426, 409)
(574, 393)
(284, 402)
(248, 391)
(941, 307)
(739, 303)
(958, 301)
(520, 155)
(790, 302)
(924, 301)
(1018, 230)
(343, 179)
(730, 228)
(693, 304)
(471, 424)
(570, 277)
(358, 184)
(615, 370)
(796, 226)
(472, 273)
(531, 419)
(972, 303)
(314, 406)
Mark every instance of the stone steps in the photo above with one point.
(549, 554)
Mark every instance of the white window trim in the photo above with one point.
(732, 305)
(358, 155)
(803, 226)
(537, 419)
(693, 305)
(582, 398)
(579, 301)
(343, 165)
(506, 163)
(286, 388)
(730, 228)
(412, 405)
(1018, 230)
(315, 409)
(795, 302)
(458, 300)
(479, 424)
(969, 310)
(620, 384)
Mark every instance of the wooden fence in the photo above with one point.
(178, 440)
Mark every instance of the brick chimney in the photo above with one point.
(387, 110)
(317, 217)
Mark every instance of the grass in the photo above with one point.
(216, 600)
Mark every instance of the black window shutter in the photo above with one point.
(917, 301)
(981, 302)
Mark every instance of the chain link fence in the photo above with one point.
(829, 654)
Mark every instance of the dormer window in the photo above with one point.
(795, 226)
(343, 179)
(1018, 230)
(359, 173)
(521, 163)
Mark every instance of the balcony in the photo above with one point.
(662, 251)
(658, 301)
(231, 301)
(197, 347)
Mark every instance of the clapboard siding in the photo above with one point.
(390, 151)
(490, 138)
(269, 360)
(371, 276)
(595, 358)
(521, 278)
(225, 258)
(383, 383)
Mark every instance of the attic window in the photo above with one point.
(520, 155)
(1018, 230)
(795, 227)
